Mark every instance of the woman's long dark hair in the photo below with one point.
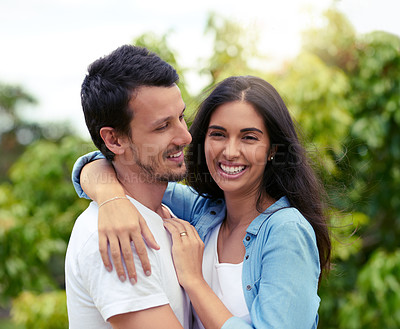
(288, 174)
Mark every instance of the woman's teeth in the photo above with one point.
(231, 170)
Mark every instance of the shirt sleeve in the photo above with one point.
(110, 295)
(76, 170)
(184, 202)
(288, 287)
(286, 293)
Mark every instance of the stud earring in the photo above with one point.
(272, 158)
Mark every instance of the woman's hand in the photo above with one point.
(187, 251)
(119, 220)
(119, 224)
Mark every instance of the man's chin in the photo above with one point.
(174, 176)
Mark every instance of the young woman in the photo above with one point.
(257, 205)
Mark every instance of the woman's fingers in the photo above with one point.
(141, 251)
(173, 229)
(187, 250)
(115, 252)
(181, 225)
(178, 229)
(119, 224)
(103, 247)
(127, 254)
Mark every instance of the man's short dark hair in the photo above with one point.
(110, 84)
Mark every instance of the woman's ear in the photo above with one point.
(112, 140)
(272, 152)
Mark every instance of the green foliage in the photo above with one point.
(345, 232)
(234, 47)
(375, 301)
(363, 289)
(375, 134)
(44, 311)
(38, 209)
(315, 94)
(15, 132)
(6, 323)
(335, 42)
(10, 97)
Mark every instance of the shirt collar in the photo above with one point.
(255, 225)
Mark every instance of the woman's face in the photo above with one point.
(237, 147)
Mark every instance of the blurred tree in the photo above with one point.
(370, 173)
(37, 211)
(11, 98)
(15, 132)
(374, 302)
(315, 95)
(375, 137)
(234, 47)
(44, 311)
(334, 42)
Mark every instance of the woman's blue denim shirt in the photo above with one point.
(281, 264)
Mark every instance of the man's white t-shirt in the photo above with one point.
(94, 294)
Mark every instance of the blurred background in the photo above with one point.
(336, 63)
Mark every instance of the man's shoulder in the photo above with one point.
(88, 219)
(85, 229)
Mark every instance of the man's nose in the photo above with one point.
(183, 136)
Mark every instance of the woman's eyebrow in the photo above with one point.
(241, 130)
(251, 129)
(216, 127)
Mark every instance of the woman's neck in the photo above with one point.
(242, 209)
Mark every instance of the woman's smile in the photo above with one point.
(231, 170)
(236, 147)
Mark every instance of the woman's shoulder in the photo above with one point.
(283, 215)
(287, 215)
(286, 226)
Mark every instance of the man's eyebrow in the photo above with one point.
(184, 109)
(160, 121)
(241, 130)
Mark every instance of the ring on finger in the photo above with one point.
(184, 233)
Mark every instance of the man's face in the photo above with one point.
(158, 134)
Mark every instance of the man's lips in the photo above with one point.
(175, 155)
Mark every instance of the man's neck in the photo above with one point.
(147, 191)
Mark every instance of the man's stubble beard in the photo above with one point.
(151, 171)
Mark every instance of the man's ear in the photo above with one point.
(113, 141)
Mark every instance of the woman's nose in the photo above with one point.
(231, 150)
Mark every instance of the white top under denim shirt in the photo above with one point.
(225, 279)
(281, 264)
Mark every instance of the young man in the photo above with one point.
(134, 112)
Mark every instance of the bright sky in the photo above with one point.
(46, 45)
